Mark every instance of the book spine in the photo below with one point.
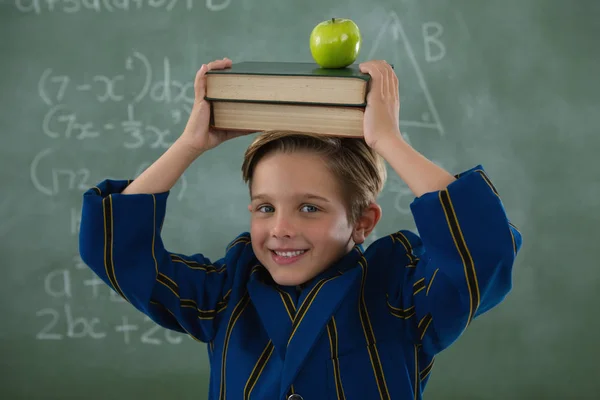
(214, 99)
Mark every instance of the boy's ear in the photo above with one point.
(366, 223)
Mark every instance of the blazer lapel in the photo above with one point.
(321, 302)
(275, 308)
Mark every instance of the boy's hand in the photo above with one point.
(381, 120)
(197, 134)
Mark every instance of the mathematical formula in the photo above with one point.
(62, 123)
(76, 6)
(64, 323)
(54, 86)
(51, 179)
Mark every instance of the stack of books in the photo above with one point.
(258, 96)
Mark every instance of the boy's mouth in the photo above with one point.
(288, 256)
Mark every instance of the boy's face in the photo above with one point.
(299, 224)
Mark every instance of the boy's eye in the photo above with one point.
(265, 209)
(309, 208)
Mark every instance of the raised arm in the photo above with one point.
(196, 138)
(120, 235)
(459, 267)
(120, 241)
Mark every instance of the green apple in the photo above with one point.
(335, 43)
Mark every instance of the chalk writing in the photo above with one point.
(54, 86)
(78, 284)
(64, 324)
(125, 327)
(45, 333)
(63, 286)
(51, 180)
(140, 134)
(76, 6)
(76, 327)
(431, 37)
(168, 90)
(61, 123)
(151, 337)
(60, 178)
(392, 29)
(95, 283)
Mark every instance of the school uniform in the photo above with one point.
(368, 327)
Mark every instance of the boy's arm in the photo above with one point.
(462, 264)
(120, 235)
(196, 138)
(120, 241)
(162, 175)
(460, 267)
(419, 173)
(381, 128)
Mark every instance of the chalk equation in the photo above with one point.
(76, 6)
(62, 323)
(53, 86)
(62, 123)
(50, 177)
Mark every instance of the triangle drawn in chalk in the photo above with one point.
(416, 102)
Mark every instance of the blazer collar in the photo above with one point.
(294, 322)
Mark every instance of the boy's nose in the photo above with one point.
(282, 228)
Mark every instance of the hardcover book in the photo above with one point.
(288, 82)
(257, 117)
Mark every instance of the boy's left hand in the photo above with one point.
(381, 120)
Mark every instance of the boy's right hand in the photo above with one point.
(197, 134)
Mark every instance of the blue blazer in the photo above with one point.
(368, 327)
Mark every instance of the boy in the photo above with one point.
(297, 309)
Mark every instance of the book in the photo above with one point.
(288, 82)
(261, 116)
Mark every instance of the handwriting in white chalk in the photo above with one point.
(54, 87)
(79, 284)
(435, 50)
(113, 6)
(50, 179)
(392, 30)
(65, 323)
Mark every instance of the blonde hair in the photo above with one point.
(359, 169)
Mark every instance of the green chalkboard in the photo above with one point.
(91, 89)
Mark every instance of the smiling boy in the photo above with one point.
(303, 189)
(297, 309)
